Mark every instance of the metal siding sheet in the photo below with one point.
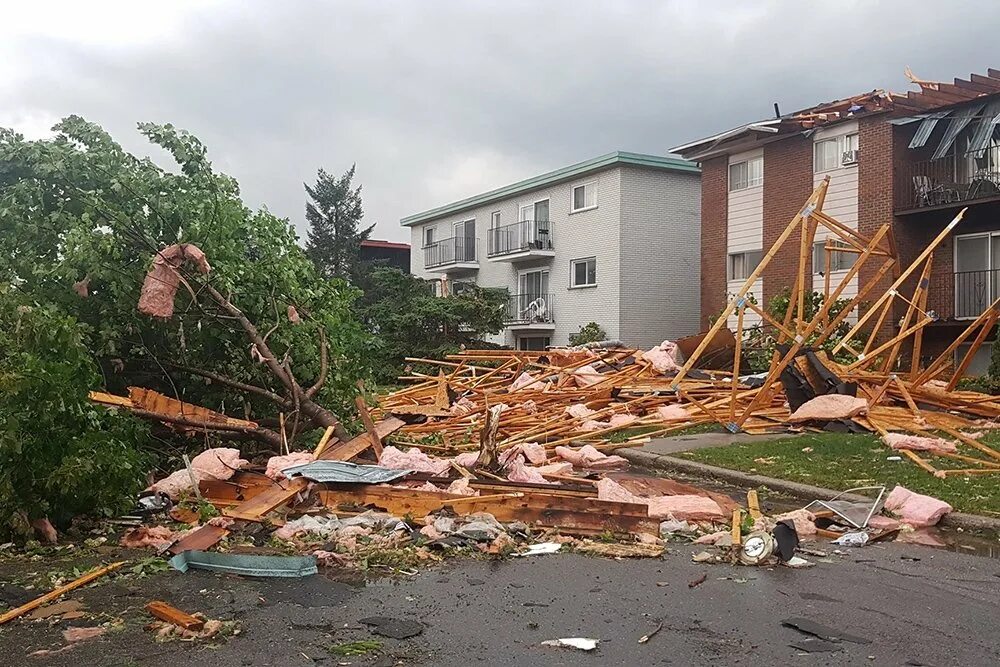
(927, 128)
(958, 123)
(984, 132)
(343, 472)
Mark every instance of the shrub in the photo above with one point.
(588, 333)
(60, 455)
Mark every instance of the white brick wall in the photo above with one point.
(653, 238)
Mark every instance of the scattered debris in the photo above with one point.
(541, 548)
(59, 592)
(395, 628)
(809, 627)
(916, 509)
(698, 582)
(646, 637)
(858, 539)
(579, 643)
(174, 616)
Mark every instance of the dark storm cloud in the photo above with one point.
(436, 101)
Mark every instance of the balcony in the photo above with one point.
(953, 180)
(452, 254)
(963, 295)
(522, 240)
(530, 312)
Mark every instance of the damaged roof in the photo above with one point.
(827, 113)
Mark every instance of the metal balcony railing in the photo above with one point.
(963, 294)
(454, 250)
(533, 308)
(950, 180)
(519, 237)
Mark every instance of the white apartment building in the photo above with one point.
(614, 240)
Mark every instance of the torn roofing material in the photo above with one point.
(344, 472)
(246, 565)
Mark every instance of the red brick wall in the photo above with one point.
(788, 182)
(714, 214)
(876, 160)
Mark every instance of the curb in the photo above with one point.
(805, 491)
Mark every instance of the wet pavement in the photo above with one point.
(915, 605)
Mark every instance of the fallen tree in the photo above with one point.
(252, 329)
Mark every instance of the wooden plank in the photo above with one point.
(268, 501)
(59, 592)
(323, 441)
(174, 616)
(366, 419)
(198, 540)
(345, 451)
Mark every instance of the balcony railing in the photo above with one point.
(952, 179)
(519, 237)
(454, 250)
(530, 308)
(963, 294)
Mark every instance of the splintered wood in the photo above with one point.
(617, 397)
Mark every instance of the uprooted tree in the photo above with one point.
(82, 221)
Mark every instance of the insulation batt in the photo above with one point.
(579, 410)
(663, 357)
(413, 459)
(589, 457)
(916, 509)
(673, 412)
(829, 407)
(160, 286)
(586, 376)
(683, 507)
(218, 463)
(526, 381)
(918, 443)
(276, 464)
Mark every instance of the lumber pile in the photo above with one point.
(610, 398)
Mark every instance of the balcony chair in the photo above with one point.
(930, 194)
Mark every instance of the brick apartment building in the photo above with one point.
(911, 160)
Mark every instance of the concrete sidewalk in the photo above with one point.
(693, 441)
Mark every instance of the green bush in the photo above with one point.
(588, 333)
(60, 455)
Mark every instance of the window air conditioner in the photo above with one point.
(849, 157)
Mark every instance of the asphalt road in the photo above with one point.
(938, 610)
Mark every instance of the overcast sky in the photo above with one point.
(436, 101)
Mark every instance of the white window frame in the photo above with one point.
(494, 219)
(841, 145)
(531, 205)
(433, 233)
(590, 187)
(572, 272)
(750, 165)
(987, 238)
(839, 261)
(746, 269)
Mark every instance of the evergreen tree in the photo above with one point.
(334, 215)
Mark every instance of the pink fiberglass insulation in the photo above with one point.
(528, 406)
(663, 357)
(916, 509)
(162, 279)
(218, 463)
(682, 507)
(460, 487)
(157, 537)
(585, 376)
(588, 457)
(276, 464)
(918, 444)
(467, 459)
(532, 452)
(579, 410)
(621, 420)
(526, 381)
(562, 468)
(517, 471)
(462, 406)
(673, 412)
(413, 459)
(804, 521)
(829, 407)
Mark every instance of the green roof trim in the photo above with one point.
(566, 173)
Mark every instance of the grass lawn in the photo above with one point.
(842, 461)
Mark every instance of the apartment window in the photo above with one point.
(494, 219)
(583, 272)
(428, 236)
(839, 261)
(742, 264)
(746, 174)
(584, 197)
(833, 153)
